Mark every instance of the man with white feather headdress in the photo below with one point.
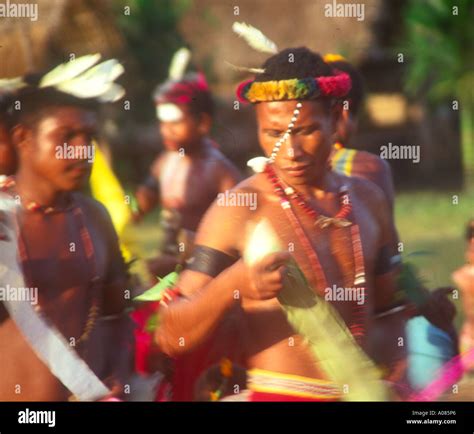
(308, 268)
(59, 244)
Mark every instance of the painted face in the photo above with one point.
(58, 148)
(302, 158)
(179, 128)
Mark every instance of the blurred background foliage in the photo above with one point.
(439, 42)
(150, 29)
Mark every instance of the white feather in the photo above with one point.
(11, 84)
(83, 88)
(68, 70)
(96, 82)
(245, 68)
(109, 70)
(179, 63)
(255, 38)
(114, 93)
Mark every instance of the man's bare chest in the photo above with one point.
(329, 251)
(62, 258)
(186, 183)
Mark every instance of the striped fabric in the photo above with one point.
(342, 160)
(289, 387)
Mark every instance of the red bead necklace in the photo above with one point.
(8, 185)
(345, 217)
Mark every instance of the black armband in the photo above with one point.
(209, 261)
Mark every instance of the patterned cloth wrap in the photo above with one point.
(267, 386)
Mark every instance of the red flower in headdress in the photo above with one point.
(184, 91)
(336, 85)
(242, 89)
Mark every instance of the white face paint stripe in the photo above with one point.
(169, 112)
(291, 125)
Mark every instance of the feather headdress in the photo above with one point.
(81, 77)
(179, 63)
(255, 38)
(181, 88)
(84, 78)
(336, 85)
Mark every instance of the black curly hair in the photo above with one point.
(298, 62)
(34, 104)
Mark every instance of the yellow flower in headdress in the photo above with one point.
(256, 92)
(276, 90)
(287, 88)
(226, 368)
(331, 57)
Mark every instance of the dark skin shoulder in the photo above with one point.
(375, 200)
(373, 168)
(63, 282)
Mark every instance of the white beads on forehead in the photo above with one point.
(284, 138)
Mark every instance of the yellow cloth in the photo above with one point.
(106, 188)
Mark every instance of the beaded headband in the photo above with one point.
(180, 88)
(295, 88)
(336, 85)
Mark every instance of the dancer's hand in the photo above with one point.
(263, 280)
(116, 390)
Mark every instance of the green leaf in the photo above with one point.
(411, 283)
(329, 339)
(155, 293)
(315, 319)
(152, 323)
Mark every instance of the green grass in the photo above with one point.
(144, 238)
(431, 222)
